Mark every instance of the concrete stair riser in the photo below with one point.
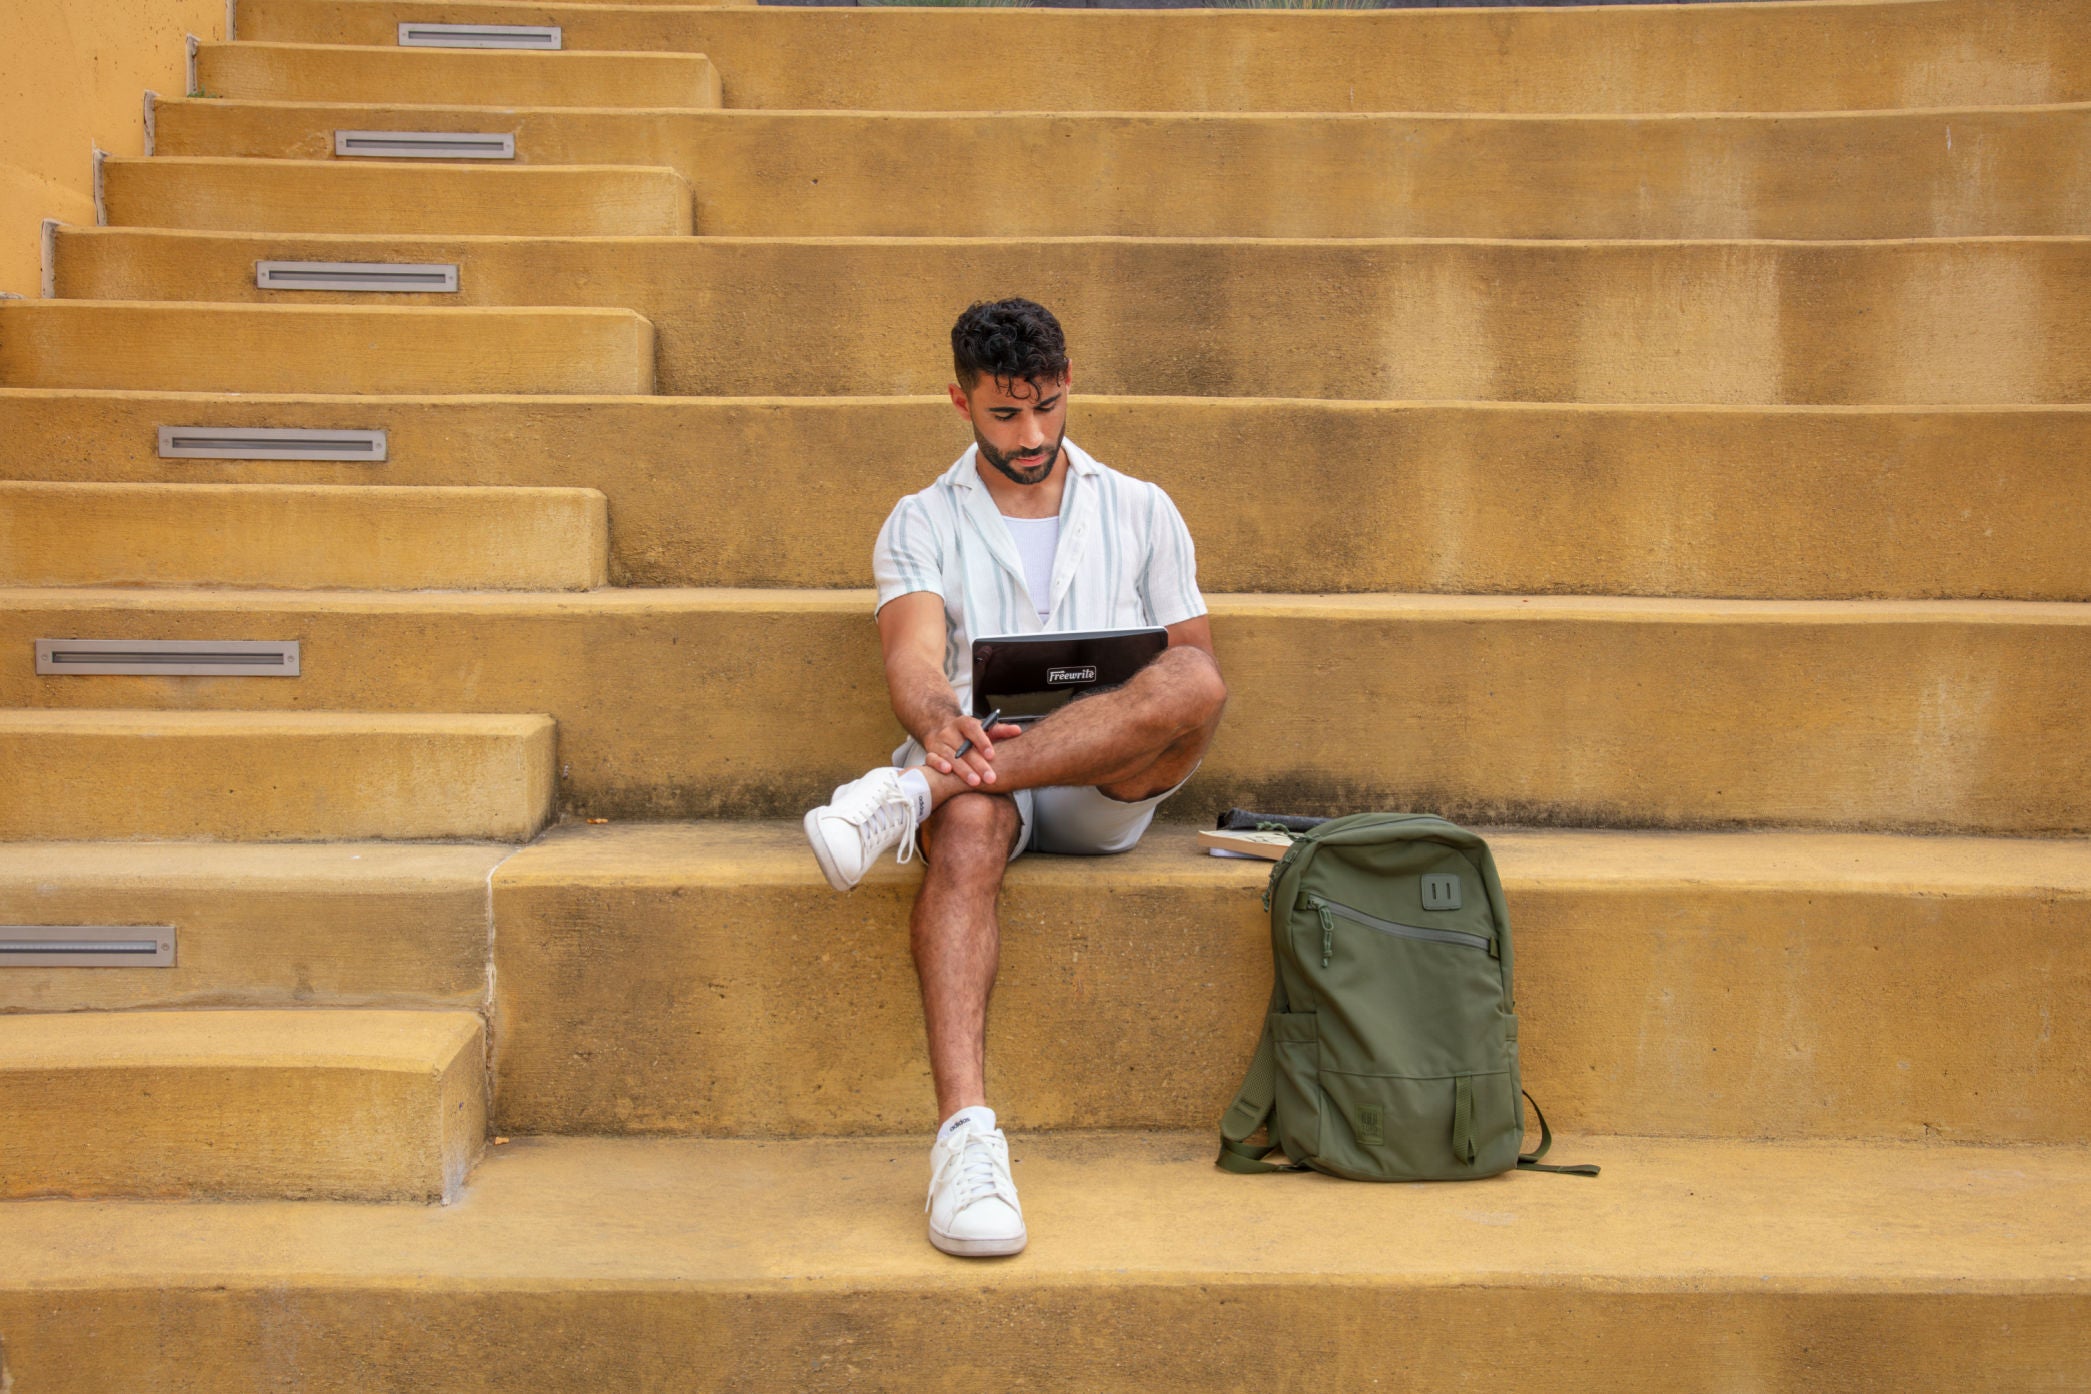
(328, 1105)
(578, 1266)
(407, 198)
(1630, 58)
(303, 536)
(2003, 171)
(1997, 321)
(170, 346)
(1943, 716)
(704, 979)
(431, 76)
(252, 776)
(1789, 503)
(367, 924)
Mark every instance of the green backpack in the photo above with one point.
(1390, 1051)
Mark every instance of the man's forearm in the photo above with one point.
(923, 698)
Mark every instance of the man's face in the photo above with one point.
(1018, 425)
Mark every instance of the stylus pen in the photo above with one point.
(967, 744)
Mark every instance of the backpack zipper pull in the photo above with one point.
(1278, 869)
(1328, 932)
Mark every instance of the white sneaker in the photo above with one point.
(860, 820)
(973, 1209)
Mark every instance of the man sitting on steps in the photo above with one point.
(1026, 534)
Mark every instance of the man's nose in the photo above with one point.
(1030, 437)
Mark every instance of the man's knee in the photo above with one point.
(1194, 681)
(971, 830)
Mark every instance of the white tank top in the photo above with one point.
(1036, 540)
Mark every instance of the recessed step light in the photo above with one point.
(86, 946)
(270, 443)
(532, 36)
(218, 658)
(422, 277)
(424, 145)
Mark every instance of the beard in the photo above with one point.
(1020, 474)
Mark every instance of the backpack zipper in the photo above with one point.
(1328, 908)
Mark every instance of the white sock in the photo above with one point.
(916, 784)
(980, 1115)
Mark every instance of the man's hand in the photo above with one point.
(976, 767)
(911, 631)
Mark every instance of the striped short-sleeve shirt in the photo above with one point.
(1124, 560)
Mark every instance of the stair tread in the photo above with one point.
(670, 701)
(349, 1104)
(213, 724)
(344, 866)
(1876, 320)
(384, 72)
(854, 601)
(236, 347)
(317, 536)
(1616, 58)
(276, 776)
(2007, 170)
(365, 1039)
(727, 852)
(1684, 984)
(1120, 1210)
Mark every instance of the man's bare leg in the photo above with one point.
(1132, 744)
(1141, 740)
(957, 938)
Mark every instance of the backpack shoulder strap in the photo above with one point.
(1252, 1106)
(1250, 1110)
(1529, 1161)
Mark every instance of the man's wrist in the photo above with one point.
(935, 720)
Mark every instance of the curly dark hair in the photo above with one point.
(1008, 340)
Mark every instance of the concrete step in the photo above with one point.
(348, 1105)
(742, 1265)
(405, 198)
(274, 776)
(433, 76)
(1907, 715)
(851, 173)
(1920, 322)
(303, 536)
(342, 924)
(1774, 985)
(1789, 503)
(167, 345)
(1914, 53)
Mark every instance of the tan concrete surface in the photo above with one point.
(1773, 57)
(1938, 716)
(355, 924)
(1955, 173)
(187, 347)
(1780, 502)
(303, 536)
(1717, 985)
(432, 199)
(578, 1265)
(1931, 321)
(342, 1105)
(429, 76)
(259, 776)
(71, 78)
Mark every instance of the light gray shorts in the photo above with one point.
(1070, 822)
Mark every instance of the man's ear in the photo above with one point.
(958, 399)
